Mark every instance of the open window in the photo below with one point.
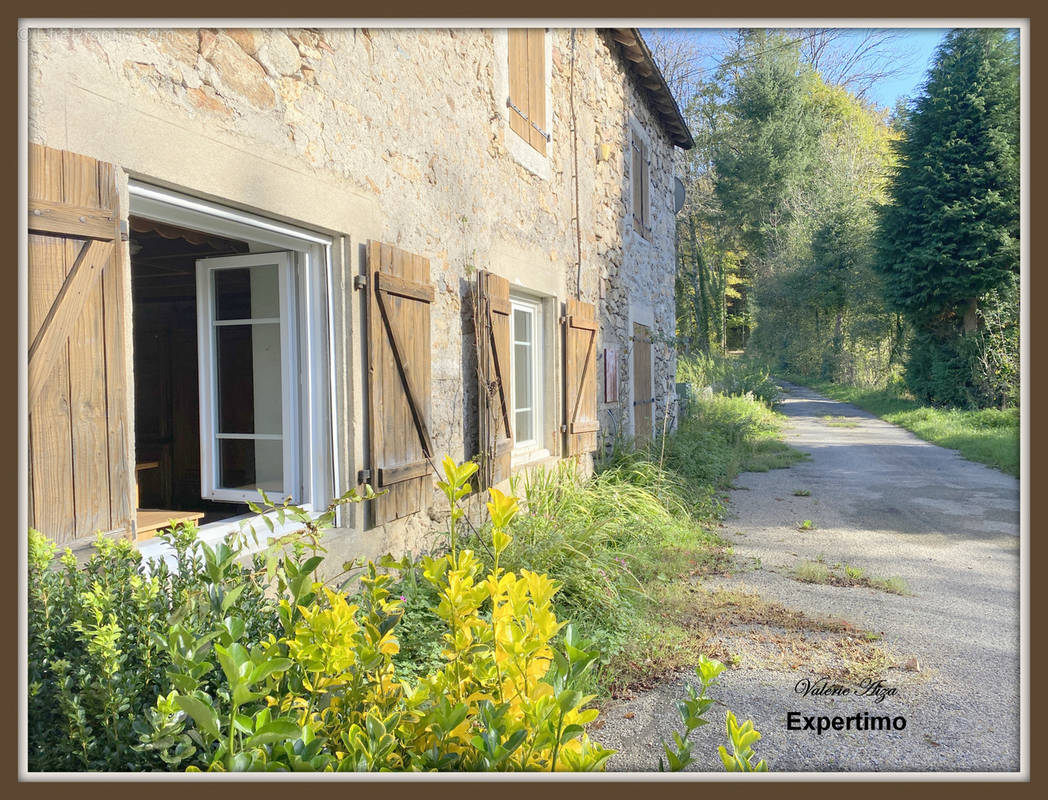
(248, 401)
(530, 359)
(526, 355)
(231, 360)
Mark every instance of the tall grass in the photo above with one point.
(603, 539)
(616, 541)
(723, 436)
(730, 375)
(644, 519)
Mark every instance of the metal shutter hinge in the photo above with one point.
(363, 476)
(360, 281)
(542, 133)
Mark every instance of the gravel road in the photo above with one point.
(883, 500)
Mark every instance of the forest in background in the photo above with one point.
(843, 242)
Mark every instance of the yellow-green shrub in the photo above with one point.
(325, 696)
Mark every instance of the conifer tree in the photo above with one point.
(949, 235)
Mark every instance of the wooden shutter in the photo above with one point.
(645, 186)
(580, 378)
(527, 84)
(518, 81)
(80, 447)
(642, 399)
(493, 359)
(400, 449)
(641, 176)
(537, 87)
(637, 171)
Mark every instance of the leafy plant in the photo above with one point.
(806, 525)
(742, 738)
(691, 716)
(97, 654)
(325, 695)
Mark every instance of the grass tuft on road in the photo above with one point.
(846, 575)
(837, 421)
(989, 436)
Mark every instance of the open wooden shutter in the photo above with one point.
(493, 358)
(646, 180)
(641, 175)
(80, 448)
(527, 84)
(399, 297)
(580, 378)
(637, 174)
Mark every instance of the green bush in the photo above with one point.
(228, 667)
(729, 375)
(323, 693)
(97, 655)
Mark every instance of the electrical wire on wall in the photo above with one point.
(575, 175)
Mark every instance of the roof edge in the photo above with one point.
(641, 64)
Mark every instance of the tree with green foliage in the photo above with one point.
(708, 280)
(771, 142)
(816, 301)
(949, 235)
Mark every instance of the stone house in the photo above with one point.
(303, 259)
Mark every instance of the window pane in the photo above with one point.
(250, 387)
(521, 326)
(250, 464)
(522, 389)
(247, 292)
(523, 430)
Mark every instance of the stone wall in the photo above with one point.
(399, 135)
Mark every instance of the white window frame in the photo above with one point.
(208, 377)
(312, 277)
(533, 447)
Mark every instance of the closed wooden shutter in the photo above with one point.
(527, 84)
(399, 298)
(80, 446)
(493, 358)
(642, 399)
(580, 378)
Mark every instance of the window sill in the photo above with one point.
(527, 456)
(158, 550)
(521, 151)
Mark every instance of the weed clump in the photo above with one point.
(846, 575)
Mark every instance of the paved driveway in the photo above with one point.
(885, 501)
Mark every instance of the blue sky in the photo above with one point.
(918, 43)
(922, 43)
